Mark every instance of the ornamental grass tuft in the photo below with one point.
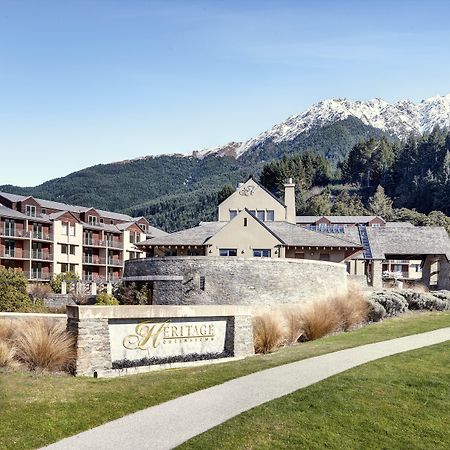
(268, 332)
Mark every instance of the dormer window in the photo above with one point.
(30, 211)
(143, 227)
(92, 220)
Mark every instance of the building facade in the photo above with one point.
(43, 238)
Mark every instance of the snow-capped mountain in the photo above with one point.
(400, 120)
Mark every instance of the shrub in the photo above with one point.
(106, 299)
(268, 333)
(351, 307)
(293, 324)
(56, 280)
(13, 291)
(39, 291)
(319, 318)
(376, 311)
(429, 301)
(7, 354)
(393, 303)
(44, 344)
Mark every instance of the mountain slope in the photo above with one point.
(176, 191)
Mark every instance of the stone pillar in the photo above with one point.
(92, 345)
(444, 274)
(377, 274)
(243, 336)
(63, 287)
(94, 288)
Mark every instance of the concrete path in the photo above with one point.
(167, 425)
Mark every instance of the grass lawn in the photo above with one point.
(399, 402)
(40, 409)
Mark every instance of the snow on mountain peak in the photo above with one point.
(400, 119)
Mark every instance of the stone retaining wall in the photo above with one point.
(239, 281)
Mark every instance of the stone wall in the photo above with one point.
(236, 281)
(92, 326)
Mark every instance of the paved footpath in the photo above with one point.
(169, 424)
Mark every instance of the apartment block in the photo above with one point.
(42, 238)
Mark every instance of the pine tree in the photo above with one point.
(380, 204)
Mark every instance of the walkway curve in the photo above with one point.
(171, 423)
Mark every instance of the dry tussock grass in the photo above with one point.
(351, 307)
(268, 332)
(293, 328)
(7, 355)
(45, 345)
(7, 329)
(318, 318)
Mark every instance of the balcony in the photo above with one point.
(94, 260)
(13, 254)
(115, 262)
(13, 233)
(114, 244)
(37, 276)
(41, 236)
(94, 242)
(43, 256)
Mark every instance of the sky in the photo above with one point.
(90, 82)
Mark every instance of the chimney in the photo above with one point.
(289, 201)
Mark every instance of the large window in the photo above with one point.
(270, 215)
(10, 248)
(262, 253)
(30, 210)
(10, 227)
(261, 215)
(65, 228)
(228, 252)
(92, 220)
(71, 229)
(233, 213)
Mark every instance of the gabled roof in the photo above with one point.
(8, 212)
(408, 241)
(57, 215)
(267, 191)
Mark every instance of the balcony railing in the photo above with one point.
(36, 254)
(8, 232)
(114, 244)
(41, 236)
(115, 262)
(95, 260)
(37, 275)
(94, 242)
(16, 254)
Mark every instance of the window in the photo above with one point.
(252, 212)
(228, 252)
(299, 255)
(63, 268)
(262, 253)
(72, 249)
(170, 252)
(30, 210)
(376, 225)
(43, 211)
(64, 249)
(270, 215)
(65, 228)
(37, 230)
(92, 220)
(71, 229)
(10, 227)
(202, 283)
(133, 237)
(143, 227)
(233, 213)
(72, 267)
(193, 253)
(324, 257)
(261, 215)
(245, 221)
(397, 268)
(102, 220)
(10, 249)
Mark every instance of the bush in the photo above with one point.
(429, 301)
(39, 291)
(318, 319)
(44, 344)
(351, 307)
(376, 311)
(106, 299)
(56, 280)
(293, 324)
(7, 355)
(393, 303)
(268, 333)
(13, 291)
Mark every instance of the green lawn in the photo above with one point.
(399, 402)
(40, 409)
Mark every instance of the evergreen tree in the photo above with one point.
(381, 205)
(224, 193)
